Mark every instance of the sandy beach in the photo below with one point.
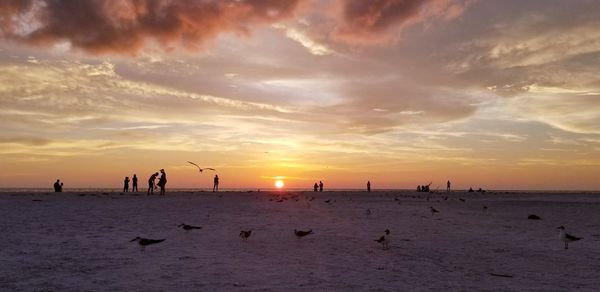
(81, 241)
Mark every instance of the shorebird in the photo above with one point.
(145, 241)
(188, 227)
(433, 210)
(245, 234)
(565, 237)
(302, 233)
(201, 169)
(384, 240)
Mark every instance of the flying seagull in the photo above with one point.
(199, 168)
(566, 237)
(145, 241)
(188, 227)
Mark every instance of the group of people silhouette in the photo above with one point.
(423, 188)
(134, 187)
(162, 182)
(318, 187)
(58, 186)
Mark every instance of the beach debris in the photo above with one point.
(36, 200)
(146, 241)
(384, 240)
(565, 237)
(187, 227)
(302, 233)
(533, 217)
(501, 275)
(201, 169)
(461, 199)
(368, 212)
(244, 234)
(484, 208)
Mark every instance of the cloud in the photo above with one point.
(379, 21)
(98, 26)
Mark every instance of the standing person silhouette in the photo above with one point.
(320, 186)
(448, 186)
(151, 185)
(126, 184)
(134, 187)
(58, 186)
(216, 183)
(162, 182)
(369, 186)
(316, 187)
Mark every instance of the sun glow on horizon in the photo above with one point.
(279, 184)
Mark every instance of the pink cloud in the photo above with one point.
(98, 26)
(380, 21)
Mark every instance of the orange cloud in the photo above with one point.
(99, 26)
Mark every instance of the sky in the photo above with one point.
(498, 94)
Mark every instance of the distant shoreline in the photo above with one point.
(245, 190)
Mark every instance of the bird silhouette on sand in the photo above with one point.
(187, 227)
(302, 233)
(143, 242)
(565, 237)
(384, 240)
(433, 210)
(200, 168)
(244, 234)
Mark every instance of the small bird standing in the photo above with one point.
(245, 234)
(433, 210)
(302, 233)
(565, 237)
(384, 240)
(188, 227)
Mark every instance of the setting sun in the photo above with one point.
(279, 184)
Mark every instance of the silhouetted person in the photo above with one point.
(368, 186)
(162, 182)
(425, 188)
(471, 190)
(151, 184)
(419, 188)
(320, 186)
(316, 186)
(216, 183)
(134, 187)
(126, 184)
(58, 186)
(448, 186)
